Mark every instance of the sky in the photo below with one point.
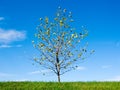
(18, 21)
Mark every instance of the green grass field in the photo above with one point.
(60, 86)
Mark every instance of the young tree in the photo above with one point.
(59, 43)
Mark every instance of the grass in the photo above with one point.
(60, 86)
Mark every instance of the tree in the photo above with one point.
(59, 43)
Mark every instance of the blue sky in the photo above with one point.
(19, 18)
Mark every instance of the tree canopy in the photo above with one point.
(59, 43)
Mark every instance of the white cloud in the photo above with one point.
(2, 18)
(9, 46)
(116, 78)
(18, 45)
(21, 80)
(5, 75)
(5, 46)
(45, 71)
(106, 66)
(8, 36)
(40, 72)
(35, 72)
(81, 68)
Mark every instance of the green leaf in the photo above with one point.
(70, 54)
(55, 19)
(41, 45)
(49, 49)
(46, 20)
(63, 18)
(69, 63)
(43, 38)
(92, 51)
(76, 36)
(66, 26)
(48, 32)
(74, 59)
(69, 42)
(72, 35)
(79, 55)
(61, 23)
(38, 35)
(35, 59)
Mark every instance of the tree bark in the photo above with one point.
(58, 77)
(58, 66)
(58, 69)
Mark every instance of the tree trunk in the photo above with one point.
(58, 77)
(58, 70)
(58, 65)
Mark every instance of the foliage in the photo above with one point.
(59, 43)
(59, 86)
